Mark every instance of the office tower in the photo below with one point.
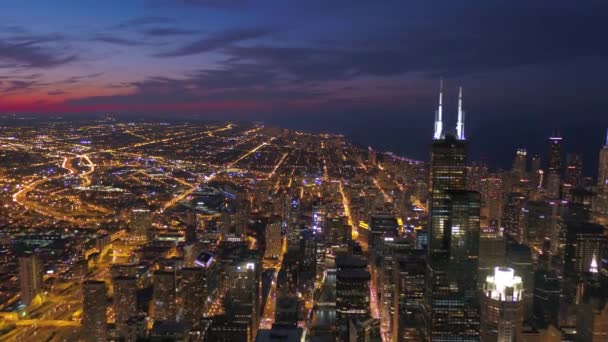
(463, 226)
(592, 310)
(502, 313)
(583, 241)
(194, 296)
(30, 277)
(520, 163)
(408, 298)
(536, 172)
(165, 295)
(125, 302)
(574, 170)
(451, 308)
(225, 329)
(491, 201)
(244, 291)
(555, 153)
(511, 216)
(600, 203)
(364, 330)
(392, 249)
(537, 222)
(281, 334)
(191, 228)
(448, 159)
(554, 167)
(581, 205)
(274, 242)
(293, 227)
(318, 216)
(382, 225)
(519, 258)
(492, 251)
(546, 302)
(286, 312)
(352, 292)
(94, 306)
(140, 225)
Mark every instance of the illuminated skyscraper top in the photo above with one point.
(460, 124)
(439, 115)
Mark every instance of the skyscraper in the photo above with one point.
(448, 172)
(30, 277)
(352, 292)
(165, 295)
(502, 309)
(125, 302)
(140, 225)
(194, 295)
(274, 242)
(450, 309)
(94, 306)
(520, 162)
(600, 203)
(554, 167)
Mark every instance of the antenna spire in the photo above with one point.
(439, 114)
(460, 124)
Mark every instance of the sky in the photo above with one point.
(369, 69)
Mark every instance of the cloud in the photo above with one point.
(217, 41)
(143, 21)
(167, 31)
(117, 40)
(15, 85)
(56, 92)
(34, 51)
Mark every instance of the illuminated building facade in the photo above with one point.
(30, 277)
(125, 302)
(165, 295)
(94, 306)
(600, 203)
(502, 308)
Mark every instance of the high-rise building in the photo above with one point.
(352, 292)
(600, 203)
(536, 172)
(409, 273)
(520, 162)
(140, 225)
(448, 172)
(502, 313)
(555, 167)
(244, 291)
(462, 231)
(574, 170)
(194, 295)
(94, 307)
(30, 277)
(583, 241)
(451, 308)
(125, 302)
(511, 216)
(546, 302)
(274, 242)
(165, 295)
(492, 251)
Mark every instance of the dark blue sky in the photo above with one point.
(366, 68)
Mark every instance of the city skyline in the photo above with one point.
(350, 72)
(303, 171)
